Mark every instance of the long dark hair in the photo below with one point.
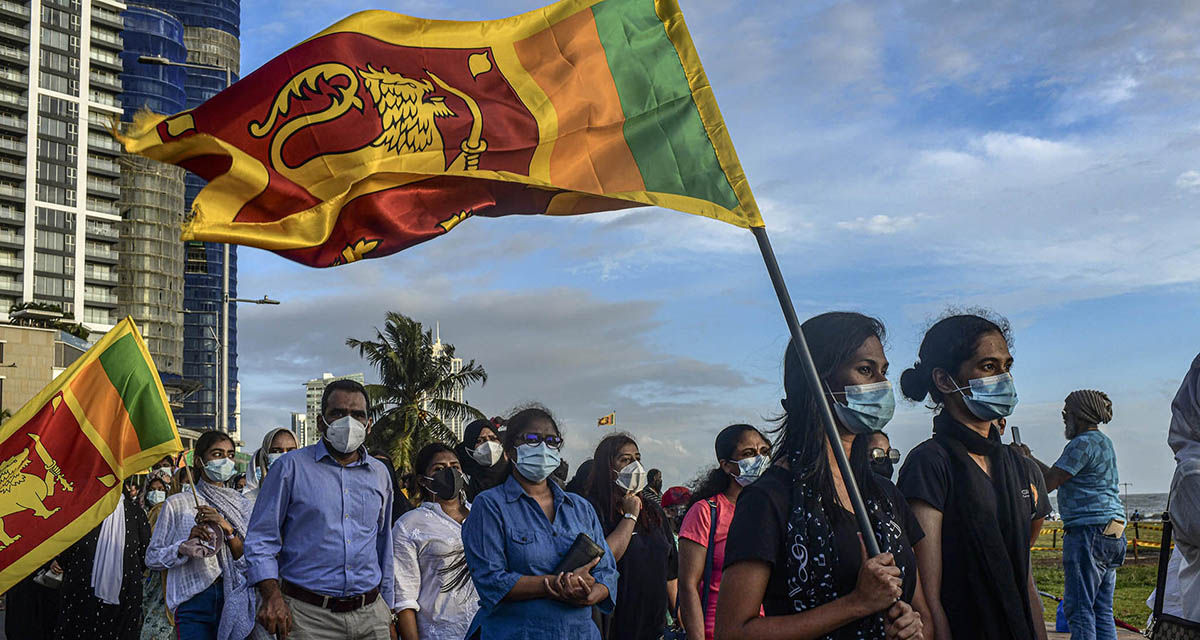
(832, 339)
(421, 466)
(602, 489)
(716, 481)
(950, 342)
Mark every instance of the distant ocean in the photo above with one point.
(1148, 503)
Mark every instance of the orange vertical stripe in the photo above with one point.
(568, 62)
(105, 410)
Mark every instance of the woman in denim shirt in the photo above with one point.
(516, 535)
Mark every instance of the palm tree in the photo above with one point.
(411, 401)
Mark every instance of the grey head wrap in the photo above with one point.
(1089, 406)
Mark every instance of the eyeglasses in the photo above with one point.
(877, 454)
(534, 439)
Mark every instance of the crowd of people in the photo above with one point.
(490, 539)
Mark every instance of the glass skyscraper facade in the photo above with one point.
(210, 31)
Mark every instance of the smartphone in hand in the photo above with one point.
(1016, 431)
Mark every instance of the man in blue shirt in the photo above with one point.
(1093, 516)
(319, 546)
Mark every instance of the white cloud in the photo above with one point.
(1016, 147)
(882, 225)
(1189, 181)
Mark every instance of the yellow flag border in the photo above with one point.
(88, 520)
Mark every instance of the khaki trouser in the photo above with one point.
(310, 622)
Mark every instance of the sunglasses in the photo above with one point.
(878, 454)
(534, 439)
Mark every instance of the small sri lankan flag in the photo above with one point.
(608, 420)
(64, 455)
(384, 131)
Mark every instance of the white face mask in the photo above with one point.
(155, 496)
(632, 477)
(346, 434)
(488, 453)
(272, 457)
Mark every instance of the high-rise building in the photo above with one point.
(299, 420)
(59, 176)
(150, 288)
(210, 32)
(455, 424)
(312, 400)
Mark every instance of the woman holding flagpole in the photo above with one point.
(199, 541)
(794, 549)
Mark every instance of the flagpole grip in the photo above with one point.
(814, 382)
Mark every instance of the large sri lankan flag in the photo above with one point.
(64, 455)
(384, 131)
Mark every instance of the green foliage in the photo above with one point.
(62, 324)
(410, 374)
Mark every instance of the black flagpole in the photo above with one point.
(814, 382)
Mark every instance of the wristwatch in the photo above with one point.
(629, 516)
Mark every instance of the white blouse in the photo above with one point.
(186, 576)
(426, 541)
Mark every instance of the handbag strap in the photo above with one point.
(1164, 559)
(714, 514)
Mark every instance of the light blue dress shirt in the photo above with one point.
(322, 526)
(508, 536)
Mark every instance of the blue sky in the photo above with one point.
(1040, 161)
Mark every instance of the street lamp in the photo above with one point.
(223, 404)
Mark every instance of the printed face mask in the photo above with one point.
(220, 470)
(749, 469)
(868, 407)
(535, 462)
(488, 453)
(346, 434)
(445, 483)
(991, 398)
(632, 477)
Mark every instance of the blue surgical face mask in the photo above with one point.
(272, 457)
(220, 469)
(868, 407)
(991, 398)
(749, 469)
(536, 462)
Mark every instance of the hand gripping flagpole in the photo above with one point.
(814, 382)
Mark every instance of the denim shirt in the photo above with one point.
(507, 536)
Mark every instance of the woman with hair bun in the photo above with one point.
(967, 489)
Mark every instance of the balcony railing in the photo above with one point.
(102, 55)
(105, 14)
(103, 165)
(15, 7)
(14, 30)
(103, 142)
(12, 237)
(104, 186)
(100, 276)
(12, 145)
(92, 251)
(17, 99)
(11, 190)
(11, 214)
(12, 167)
(105, 36)
(13, 52)
(14, 75)
(104, 230)
(100, 97)
(8, 260)
(106, 298)
(12, 121)
(102, 206)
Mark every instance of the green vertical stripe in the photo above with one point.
(134, 379)
(662, 124)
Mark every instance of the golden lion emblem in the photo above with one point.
(20, 491)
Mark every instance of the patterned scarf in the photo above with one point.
(241, 602)
(813, 552)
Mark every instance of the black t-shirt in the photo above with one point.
(926, 476)
(760, 532)
(650, 561)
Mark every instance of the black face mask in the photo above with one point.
(445, 483)
(883, 468)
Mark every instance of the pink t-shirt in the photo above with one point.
(695, 528)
